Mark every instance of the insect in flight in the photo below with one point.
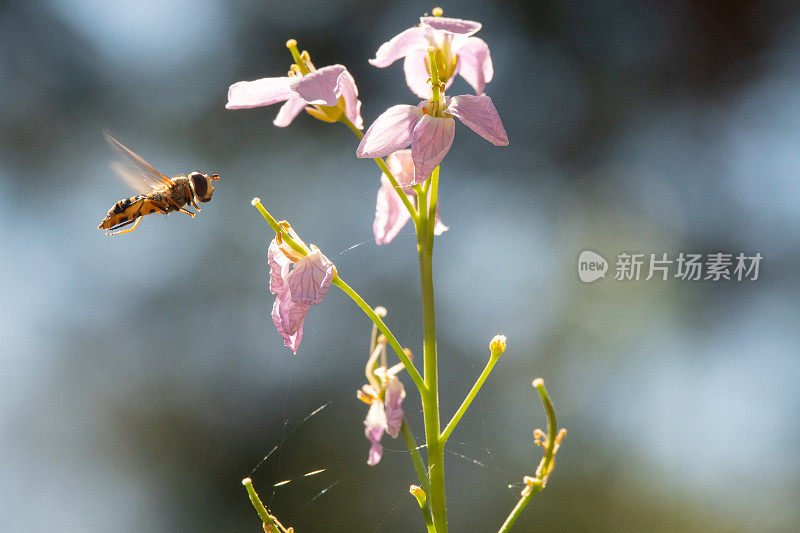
(158, 193)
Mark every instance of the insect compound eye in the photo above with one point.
(200, 186)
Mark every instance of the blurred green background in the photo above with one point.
(142, 377)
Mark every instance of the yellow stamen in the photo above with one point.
(437, 11)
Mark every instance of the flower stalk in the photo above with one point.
(497, 347)
(550, 442)
(269, 520)
(419, 466)
(430, 399)
(414, 139)
(419, 494)
(390, 338)
(382, 165)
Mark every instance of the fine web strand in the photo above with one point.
(403, 497)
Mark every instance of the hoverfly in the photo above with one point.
(158, 193)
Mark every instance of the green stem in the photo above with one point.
(433, 187)
(543, 472)
(412, 370)
(434, 81)
(416, 458)
(260, 509)
(382, 165)
(521, 504)
(471, 396)
(419, 466)
(278, 229)
(422, 500)
(551, 428)
(430, 400)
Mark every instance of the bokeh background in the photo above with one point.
(142, 377)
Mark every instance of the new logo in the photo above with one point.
(591, 266)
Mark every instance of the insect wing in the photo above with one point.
(135, 171)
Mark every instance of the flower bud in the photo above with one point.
(498, 345)
(418, 493)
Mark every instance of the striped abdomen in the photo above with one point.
(132, 208)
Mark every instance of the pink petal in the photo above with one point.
(390, 132)
(399, 46)
(395, 392)
(289, 111)
(346, 88)
(479, 115)
(310, 278)
(390, 213)
(432, 139)
(319, 87)
(288, 318)
(374, 426)
(278, 268)
(451, 25)
(475, 63)
(401, 165)
(266, 91)
(417, 75)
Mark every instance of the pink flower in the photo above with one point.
(390, 213)
(325, 93)
(297, 289)
(385, 414)
(430, 136)
(457, 52)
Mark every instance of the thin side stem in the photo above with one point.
(260, 509)
(551, 427)
(419, 466)
(382, 165)
(416, 458)
(433, 187)
(468, 400)
(412, 370)
(277, 228)
(521, 504)
(422, 500)
(536, 485)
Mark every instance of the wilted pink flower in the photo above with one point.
(390, 212)
(297, 289)
(430, 137)
(331, 86)
(385, 413)
(457, 52)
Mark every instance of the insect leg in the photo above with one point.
(127, 230)
(181, 209)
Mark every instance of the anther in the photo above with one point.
(437, 11)
(291, 43)
(364, 397)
